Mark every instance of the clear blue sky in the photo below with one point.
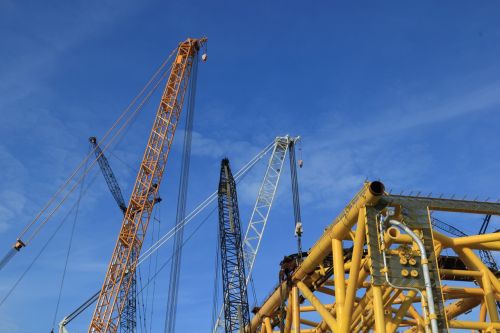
(405, 92)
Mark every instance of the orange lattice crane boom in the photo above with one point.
(113, 295)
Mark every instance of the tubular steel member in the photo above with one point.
(113, 295)
(369, 195)
(425, 268)
(380, 292)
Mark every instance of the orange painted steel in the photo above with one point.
(123, 262)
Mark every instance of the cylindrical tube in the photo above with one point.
(369, 195)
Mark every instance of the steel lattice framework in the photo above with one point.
(265, 198)
(236, 310)
(116, 286)
(108, 174)
(128, 322)
(380, 266)
(260, 213)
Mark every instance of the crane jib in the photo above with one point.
(114, 291)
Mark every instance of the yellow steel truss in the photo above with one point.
(345, 284)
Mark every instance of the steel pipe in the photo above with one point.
(370, 194)
(425, 269)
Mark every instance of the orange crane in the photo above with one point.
(121, 269)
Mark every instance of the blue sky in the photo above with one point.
(408, 93)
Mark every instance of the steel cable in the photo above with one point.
(28, 268)
(239, 176)
(173, 290)
(70, 243)
(55, 209)
(115, 124)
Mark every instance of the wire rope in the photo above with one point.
(173, 289)
(55, 209)
(215, 296)
(114, 125)
(155, 268)
(28, 268)
(240, 175)
(70, 243)
(142, 322)
(152, 85)
(211, 198)
(166, 262)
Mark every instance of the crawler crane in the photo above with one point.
(128, 320)
(236, 309)
(113, 295)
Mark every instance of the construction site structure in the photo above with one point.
(109, 175)
(277, 149)
(380, 267)
(113, 295)
(262, 207)
(236, 308)
(128, 319)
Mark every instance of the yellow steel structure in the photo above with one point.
(365, 274)
(123, 262)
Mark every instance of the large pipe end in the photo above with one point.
(393, 232)
(376, 188)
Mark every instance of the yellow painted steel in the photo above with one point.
(338, 275)
(450, 291)
(461, 306)
(316, 303)
(403, 309)
(357, 253)
(474, 325)
(476, 240)
(368, 195)
(310, 308)
(288, 318)
(482, 312)
(489, 298)
(296, 310)
(460, 272)
(308, 322)
(420, 321)
(263, 328)
(378, 309)
(471, 260)
(337, 284)
(267, 323)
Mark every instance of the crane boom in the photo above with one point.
(113, 295)
(108, 174)
(447, 227)
(128, 318)
(236, 309)
(265, 198)
(260, 213)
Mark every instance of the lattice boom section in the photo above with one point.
(113, 296)
(236, 310)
